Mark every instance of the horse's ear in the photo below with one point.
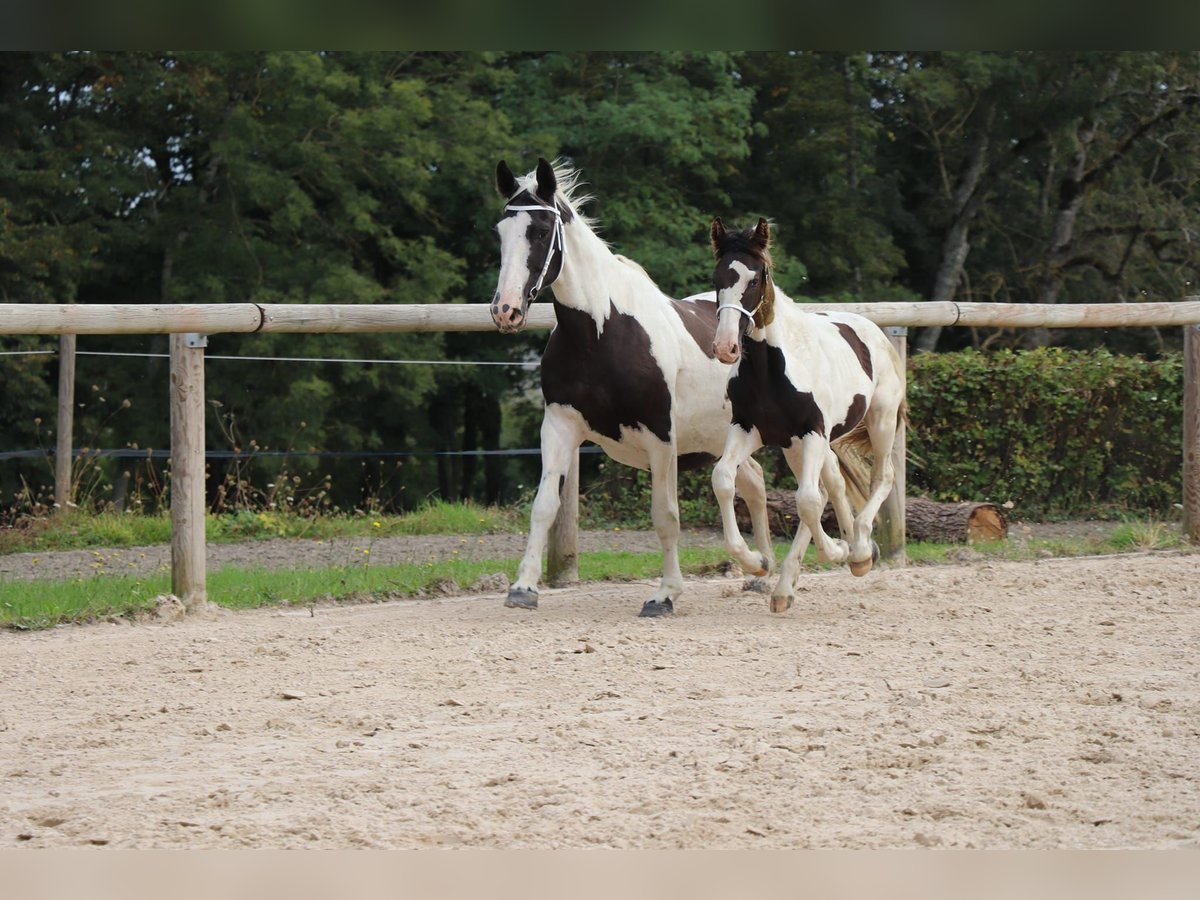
(717, 234)
(762, 234)
(506, 181)
(547, 183)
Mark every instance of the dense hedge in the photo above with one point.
(1057, 432)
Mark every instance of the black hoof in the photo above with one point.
(654, 608)
(522, 598)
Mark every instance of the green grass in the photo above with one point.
(44, 603)
(82, 531)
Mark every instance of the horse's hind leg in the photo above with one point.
(561, 436)
(882, 424)
(751, 487)
(664, 510)
(739, 444)
(807, 461)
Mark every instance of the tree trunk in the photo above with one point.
(925, 520)
(966, 200)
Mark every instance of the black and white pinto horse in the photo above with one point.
(823, 386)
(626, 367)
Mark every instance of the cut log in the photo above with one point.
(947, 523)
(926, 520)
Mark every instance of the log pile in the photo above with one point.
(925, 520)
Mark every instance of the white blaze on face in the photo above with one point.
(514, 269)
(730, 321)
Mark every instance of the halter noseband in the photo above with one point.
(749, 313)
(557, 240)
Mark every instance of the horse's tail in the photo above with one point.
(851, 450)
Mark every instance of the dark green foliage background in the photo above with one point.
(366, 177)
(1055, 431)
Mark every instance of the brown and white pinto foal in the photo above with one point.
(813, 384)
(626, 367)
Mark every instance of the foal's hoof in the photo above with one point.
(782, 604)
(654, 608)
(861, 568)
(764, 566)
(522, 598)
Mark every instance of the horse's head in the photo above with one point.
(742, 279)
(532, 243)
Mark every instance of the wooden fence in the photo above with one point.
(189, 324)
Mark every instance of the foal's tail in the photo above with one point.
(852, 449)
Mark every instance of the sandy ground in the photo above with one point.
(1051, 704)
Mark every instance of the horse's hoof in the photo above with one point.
(653, 608)
(758, 585)
(861, 568)
(522, 598)
(782, 604)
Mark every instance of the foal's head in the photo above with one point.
(532, 246)
(742, 279)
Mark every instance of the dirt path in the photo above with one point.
(1048, 704)
(280, 553)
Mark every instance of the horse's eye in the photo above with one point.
(541, 232)
(754, 281)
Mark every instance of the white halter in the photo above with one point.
(748, 313)
(557, 239)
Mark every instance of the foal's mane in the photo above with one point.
(569, 189)
(744, 242)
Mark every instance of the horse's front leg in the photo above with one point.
(739, 445)
(664, 510)
(562, 434)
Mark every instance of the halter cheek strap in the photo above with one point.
(748, 313)
(557, 241)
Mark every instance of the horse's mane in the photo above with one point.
(569, 189)
(632, 264)
(744, 242)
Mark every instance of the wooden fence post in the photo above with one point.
(187, 470)
(1191, 433)
(891, 525)
(562, 556)
(64, 499)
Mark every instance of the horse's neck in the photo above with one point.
(593, 276)
(786, 318)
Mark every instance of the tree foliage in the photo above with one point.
(335, 177)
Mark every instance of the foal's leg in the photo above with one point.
(739, 444)
(882, 424)
(561, 436)
(664, 510)
(751, 487)
(835, 485)
(807, 460)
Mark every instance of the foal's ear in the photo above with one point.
(762, 234)
(547, 183)
(506, 181)
(716, 234)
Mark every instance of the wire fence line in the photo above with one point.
(259, 454)
(323, 454)
(297, 359)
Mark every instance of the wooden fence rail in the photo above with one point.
(189, 323)
(246, 318)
